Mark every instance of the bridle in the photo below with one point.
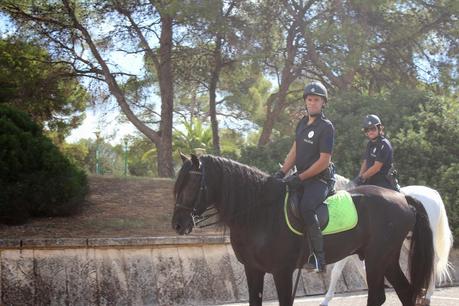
(200, 204)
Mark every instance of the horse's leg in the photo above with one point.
(335, 274)
(401, 285)
(360, 264)
(375, 280)
(255, 283)
(283, 281)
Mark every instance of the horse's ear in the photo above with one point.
(183, 157)
(195, 161)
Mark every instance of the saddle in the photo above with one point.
(335, 215)
(295, 217)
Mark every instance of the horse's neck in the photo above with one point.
(260, 208)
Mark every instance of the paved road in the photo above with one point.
(442, 297)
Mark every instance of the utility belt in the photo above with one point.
(392, 177)
(328, 177)
(328, 174)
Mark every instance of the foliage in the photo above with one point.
(77, 153)
(427, 151)
(207, 50)
(36, 178)
(142, 159)
(83, 154)
(267, 157)
(194, 136)
(70, 31)
(447, 187)
(428, 141)
(49, 92)
(366, 46)
(232, 141)
(347, 111)
(141, 156)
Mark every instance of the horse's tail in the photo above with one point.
(443, 243)
(421, 256)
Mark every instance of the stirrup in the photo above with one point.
(313, 264)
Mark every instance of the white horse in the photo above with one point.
(443, 238)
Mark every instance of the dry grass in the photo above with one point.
(115, 207)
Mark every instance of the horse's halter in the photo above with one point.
(200, 205)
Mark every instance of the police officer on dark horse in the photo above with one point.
(250, 203)
(311, 154)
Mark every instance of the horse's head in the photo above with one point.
(190, 193)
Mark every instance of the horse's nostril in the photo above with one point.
(177, 227)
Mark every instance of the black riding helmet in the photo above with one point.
(370, 120)
(317, 89)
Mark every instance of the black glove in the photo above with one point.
(359, 180)
(293, 181)
(279, 175)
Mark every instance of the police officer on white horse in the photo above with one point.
(377, 168)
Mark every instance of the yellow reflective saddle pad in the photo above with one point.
(342, 215)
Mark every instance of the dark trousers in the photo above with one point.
(314, 193)
(380, 180)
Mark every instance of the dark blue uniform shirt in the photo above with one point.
(379, 150)
(311, 140)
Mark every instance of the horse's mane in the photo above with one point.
(244, 192)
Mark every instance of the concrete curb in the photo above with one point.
(51, 243)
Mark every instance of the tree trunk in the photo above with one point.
(166, 86)
(269, 123)
(163, 138)
(276, 103)
(213, 95)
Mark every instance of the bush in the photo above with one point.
(450, 194)
(36, 179)
(268, 157)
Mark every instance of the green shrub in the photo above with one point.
(268, 157)
(36, 179)
(448, 189)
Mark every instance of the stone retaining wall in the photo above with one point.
(139, 271)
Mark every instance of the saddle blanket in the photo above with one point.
(341, 210)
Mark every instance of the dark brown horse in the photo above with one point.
(249, 202)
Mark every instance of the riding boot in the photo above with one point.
(316, 261)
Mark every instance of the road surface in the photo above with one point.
(442, 297)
